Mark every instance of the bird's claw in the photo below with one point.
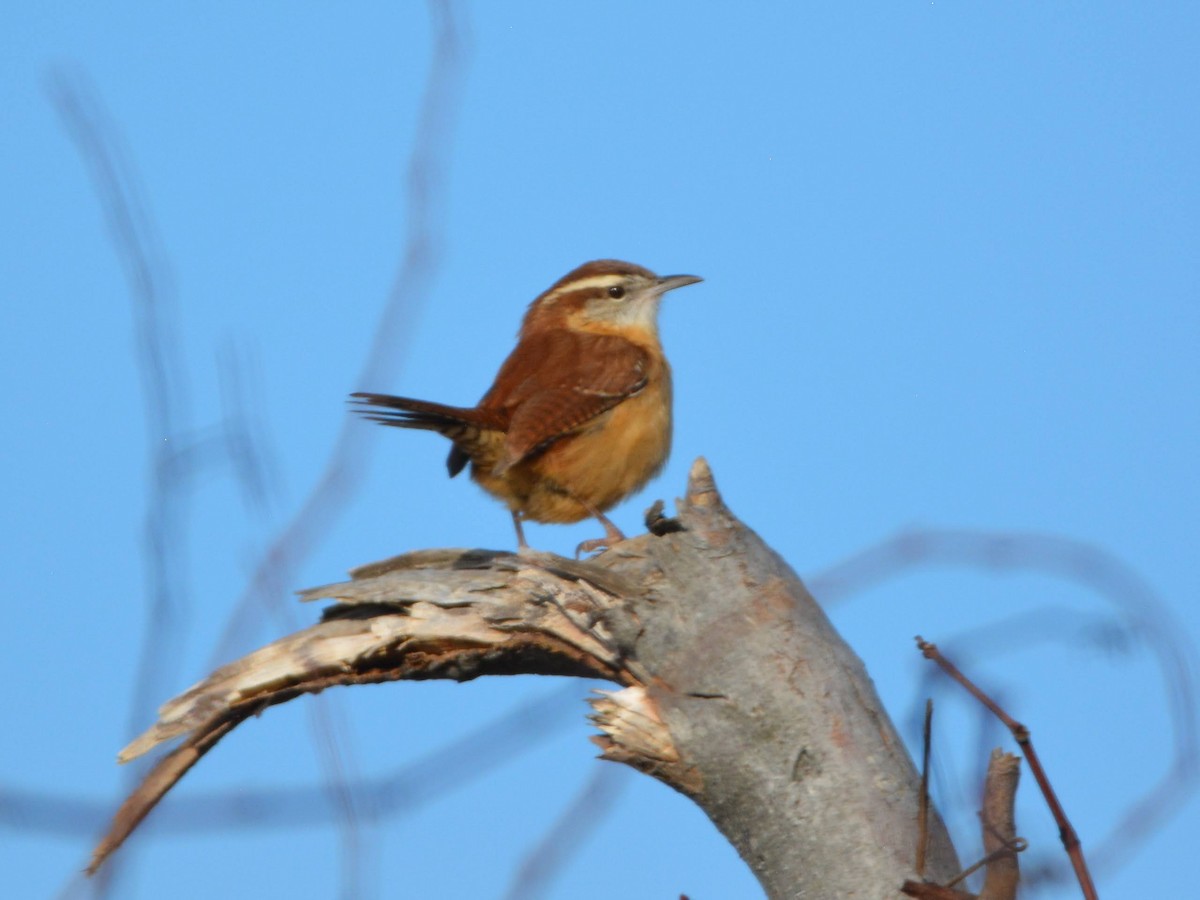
(593, 545)
(613, 535)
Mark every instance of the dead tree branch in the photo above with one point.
(734, 688)
(1000, 841)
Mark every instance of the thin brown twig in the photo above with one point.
(1147, 619)
(1049, 625)
(1021, 734)
(977, 865)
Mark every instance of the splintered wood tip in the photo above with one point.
(702, 488)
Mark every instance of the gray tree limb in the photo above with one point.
(733, 687)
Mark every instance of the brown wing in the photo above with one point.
(556, 381)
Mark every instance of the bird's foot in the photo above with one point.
(592, 546)
(612, 535)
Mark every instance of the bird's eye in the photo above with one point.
(616, 292)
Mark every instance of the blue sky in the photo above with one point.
(951, 281)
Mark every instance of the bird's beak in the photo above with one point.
(670, 282)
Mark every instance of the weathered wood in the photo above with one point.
(735, 688)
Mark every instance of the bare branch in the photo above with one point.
(738, 692)
(471, 619)
(1020, 733)
(1145, 619)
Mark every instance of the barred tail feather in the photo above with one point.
(405, 412)
(466, 427)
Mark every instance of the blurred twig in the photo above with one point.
(923, 810)
(163, 379)
(567, 834)
(163, 382)
(346, 465)
(344, 470)
(172, 455)
(242, 435)
(398, 793)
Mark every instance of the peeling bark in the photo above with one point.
(735, 691)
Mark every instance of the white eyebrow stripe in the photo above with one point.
(606, 280)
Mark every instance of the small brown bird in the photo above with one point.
(579, 416)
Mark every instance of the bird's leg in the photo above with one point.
(612, 534)
(521, 544)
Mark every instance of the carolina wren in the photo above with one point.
(579, 416)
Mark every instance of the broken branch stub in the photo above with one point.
(735, 689)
